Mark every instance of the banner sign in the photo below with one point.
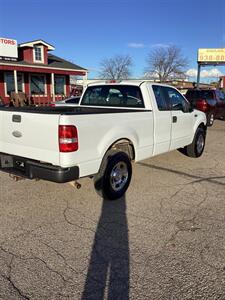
(8, 48)
(211, 55)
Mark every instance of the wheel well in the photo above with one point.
(203, 126)
(124, 145)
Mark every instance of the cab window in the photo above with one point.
(161, 101)
(113, 95)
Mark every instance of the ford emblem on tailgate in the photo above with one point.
(17, 134)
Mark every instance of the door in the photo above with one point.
(162, 122)
(181, 117)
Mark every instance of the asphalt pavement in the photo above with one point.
(164, 240)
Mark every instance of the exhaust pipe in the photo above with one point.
(75, 184)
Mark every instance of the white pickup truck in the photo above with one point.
(113, 125)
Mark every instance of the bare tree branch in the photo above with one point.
(166, 63)
(117, 67)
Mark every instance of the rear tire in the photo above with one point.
(196, 148)
(114, 175)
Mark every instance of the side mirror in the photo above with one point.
(190, 107)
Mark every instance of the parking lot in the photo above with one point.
(164, 240)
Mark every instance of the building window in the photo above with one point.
(20, 82)
(38, 54)
(37, 84)
(10, 84)
(9, 81)
(59, 85)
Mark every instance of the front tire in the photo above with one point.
(114, 176)
(196, 148)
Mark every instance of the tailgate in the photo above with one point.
(30, 135)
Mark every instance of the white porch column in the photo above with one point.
(85, 77)
(53, 86)
(15, 81)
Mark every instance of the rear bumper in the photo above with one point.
(32, 169)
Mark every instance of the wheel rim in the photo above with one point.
(119, 176)
(200, 143)
(211, 119)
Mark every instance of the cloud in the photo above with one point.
(151, 75)
(142, 45)
(191, 73)
(159, 45)
(136, 45)
(211, 73)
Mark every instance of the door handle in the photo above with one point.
(174, 119)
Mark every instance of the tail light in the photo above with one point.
(202, 105)
(68, 138)
(52, 104)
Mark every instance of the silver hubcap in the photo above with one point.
(200, 143)
(119, 176)
(211, 119)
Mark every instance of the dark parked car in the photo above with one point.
(212, 102)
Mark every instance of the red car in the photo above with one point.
(210, 101)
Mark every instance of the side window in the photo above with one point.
(177, 101)
(160, 98)
(220, 95)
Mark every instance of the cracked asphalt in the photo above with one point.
(164, 240)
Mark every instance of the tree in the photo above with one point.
(117, 67)
(166, 63)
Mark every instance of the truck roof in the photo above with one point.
(137, 82)
(116, 82)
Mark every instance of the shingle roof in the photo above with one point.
(53, 62)
(32, 43)
(58, 62)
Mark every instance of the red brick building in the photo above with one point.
(31, 69)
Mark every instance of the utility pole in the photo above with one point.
(198, 75)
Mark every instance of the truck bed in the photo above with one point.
(33, 132)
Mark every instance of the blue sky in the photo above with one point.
(86, 31)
